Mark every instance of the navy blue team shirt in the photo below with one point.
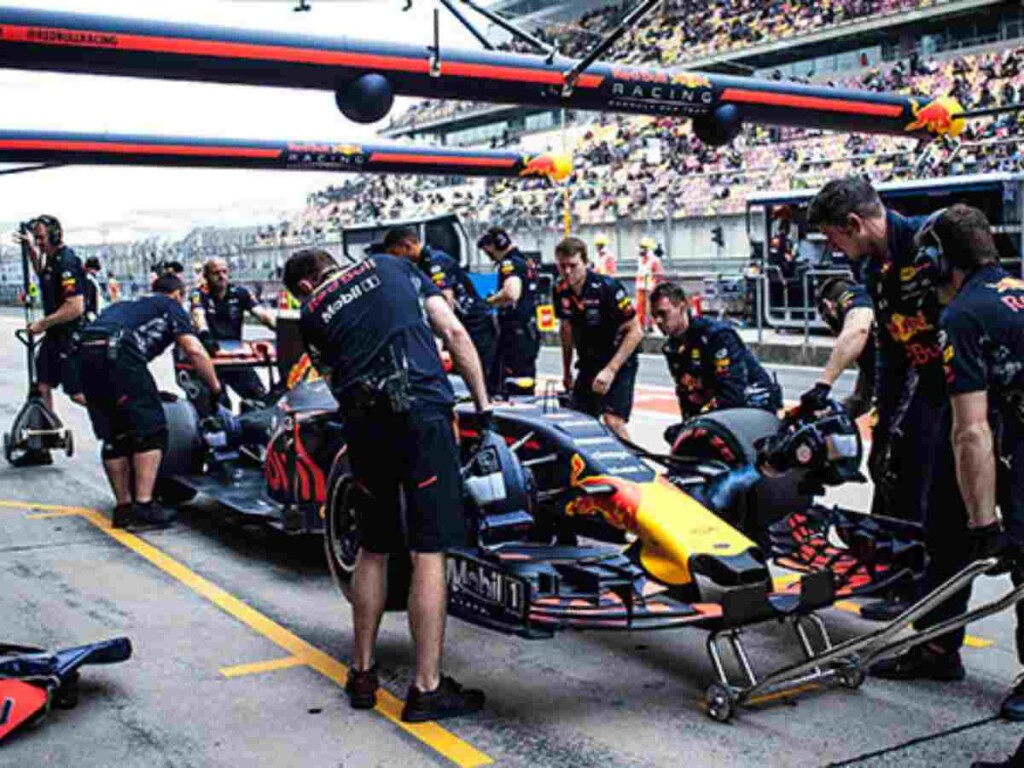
(516, 265)
(151, 323)
(350, 318)
(597, 316)
(713, 368)
(907, 313)
(983, 335)
(224, 316)
(447, 275)
(62, 278)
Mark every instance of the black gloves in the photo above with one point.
(816, 398)
(991, 541)
(485, 420)
(209, 343)
(208, 404)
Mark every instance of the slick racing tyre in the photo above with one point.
(341, 543)
(184, 452)
(731, 435)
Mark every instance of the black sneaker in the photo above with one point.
(921, 663)
(884, 610)
(449, 699)
(152, 513)
(123, 516)
(1012, 707)
(33, 459)
(361, 687)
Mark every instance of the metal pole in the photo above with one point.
(468, 24)
(598, 50)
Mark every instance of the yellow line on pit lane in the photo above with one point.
(259, 667)
(443, 741)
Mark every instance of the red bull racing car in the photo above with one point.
(570, 528)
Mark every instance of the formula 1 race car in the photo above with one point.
(570, 527)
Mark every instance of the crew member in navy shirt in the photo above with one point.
(599, 324)
(124, 404)
(710, 364)
(218, 312)
(516, 300)
(983, 353)
(62, 285)
(914, 419)
(369, 328)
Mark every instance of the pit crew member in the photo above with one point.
(453, 282)
(599, 323)
(983, 334)
(218, 312)
(516, 300)
(366, 328)
(708, 360)
(124, 404)
(913, 408)
(846, 309)
(62, 285)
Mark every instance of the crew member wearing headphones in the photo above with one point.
(983, 352)
(124, 404)
(62, 284)
(218, 311)
(913, 406)
(516, 300)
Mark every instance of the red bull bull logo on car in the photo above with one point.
(940, 117)
(619, 507)
(690, 80)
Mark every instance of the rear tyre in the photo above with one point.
(341, 544)
(8, 448)
(69, 444)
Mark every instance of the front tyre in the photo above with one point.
(341, 544)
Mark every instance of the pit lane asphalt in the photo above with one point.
(580, 699)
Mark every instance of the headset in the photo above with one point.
(496, 238)
(930, 250)
(54, 231)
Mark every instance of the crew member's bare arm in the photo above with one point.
(509, 294)
(975, 457)
(850, 344)
(265, 316)
(565, 333)
(457, 341)
(72, 309)
(196, 354)
(632, 335)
